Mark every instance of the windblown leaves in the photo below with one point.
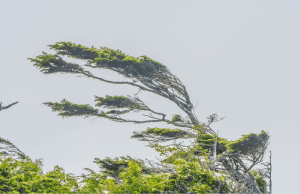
(176, 118)
(67, 109)
(54, 64)
(206, 141)
(151, 75)
(75, 51)
(245, 145)
(111, 59)
(118, 165)
(162, 134)
(260, 180)
(127, 175)
(249, 143)
(116, 102)
(27, 177)
(9, 149)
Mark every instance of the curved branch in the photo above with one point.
(186, 107)
(116, 82)
(8, 106)
(12, 148)
(118, 119)
(250, 180)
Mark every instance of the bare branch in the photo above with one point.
(8, 106)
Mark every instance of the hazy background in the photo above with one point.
(239, 59)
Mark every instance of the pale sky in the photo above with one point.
(239, 59)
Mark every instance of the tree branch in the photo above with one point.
(8, 106)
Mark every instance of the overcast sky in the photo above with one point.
(239, 59)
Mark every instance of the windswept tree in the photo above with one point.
(209, 164)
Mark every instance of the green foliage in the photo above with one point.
(248, 143)
(260, 180)
(115, 102)
(166, 132)
(27, 177)
(176, 118)
(176, 155)
(201, 180)
(67, 109)
(199, 129)
(163, 150)
(120, 175)
(171, 154)
(206, 141)
(95, 183)
(127, 65)
(104, 57)
(134, 180)
(162, 132)
(54, 64)
(118, 165)
(75, 51)
(126, 175)
(11, 150)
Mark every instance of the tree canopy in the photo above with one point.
(210, 164)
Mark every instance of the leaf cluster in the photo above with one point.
(260, 180)
(206, 141)
(115, 102)
(176, 118)
(118, 165)
(166, 132)
(248, 143)
(162, 134)
(67, 109)
(104, 57)
(27, 177)
(50, 64)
